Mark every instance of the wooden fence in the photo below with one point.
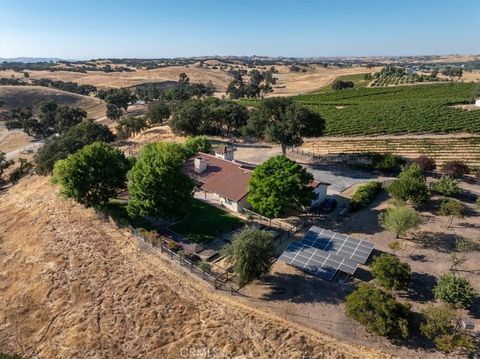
(274, 223)
(217, 281)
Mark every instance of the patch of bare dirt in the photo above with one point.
(73, 285)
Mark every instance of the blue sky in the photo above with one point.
(84, 29)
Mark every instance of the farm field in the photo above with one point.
(408, 109)
(204, 222)
(442, 148)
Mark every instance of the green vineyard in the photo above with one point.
(404, 109)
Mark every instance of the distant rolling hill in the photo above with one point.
(22, 96)
(29, 60)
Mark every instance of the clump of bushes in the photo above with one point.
(455, 169)
(341, 85)
(454, 290)
(425, 163)
(390, 272)
(379, 312)
(364, 195)
(387, 162)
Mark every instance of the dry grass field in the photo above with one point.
(289, 83)
(23, 96)
(294, 83)
(220, 79)
(75, 286)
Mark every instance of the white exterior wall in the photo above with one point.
(227, 156)
(321, 191)
(232, 205)
(477, 102)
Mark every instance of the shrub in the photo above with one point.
(455, 168)
(440, 325)
(206, 267)
(387, 162)
(451, 208)
(341, 85)
(390, 272)
(93, 174)
(466, 245)
(251, 252)
(364, 195)
(399, 220)
(410, 186)
(425, 163)
(446, 186)
(454, 290)
(379, 312)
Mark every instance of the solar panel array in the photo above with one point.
(322, 252)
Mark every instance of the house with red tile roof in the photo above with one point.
(227, 181)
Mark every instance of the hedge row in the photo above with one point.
(364, 195)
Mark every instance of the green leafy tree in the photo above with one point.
(390, 272)
(251, 252)
(92, 175)
(157, 113)
(399, 220)
(451, 208)
(49, 119)
(188, 119)
(74, 139)
(113, 112)
(183, 78)
(157, 185)
(447, 186)
(120, 97)
(341, 85)
(455, 290)
(278, 185)
(131, 126)
(379, 312)
(286, 122)
(410, 186)
(197, 144)
(440, 324)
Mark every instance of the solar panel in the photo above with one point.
(322, 253)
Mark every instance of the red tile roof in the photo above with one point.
(225, 178)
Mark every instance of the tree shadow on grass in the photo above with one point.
(303, 288)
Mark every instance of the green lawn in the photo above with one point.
(205, 222)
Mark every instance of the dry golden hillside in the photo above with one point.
(23, 96)
(74, 286)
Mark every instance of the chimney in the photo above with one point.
(200, 165)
